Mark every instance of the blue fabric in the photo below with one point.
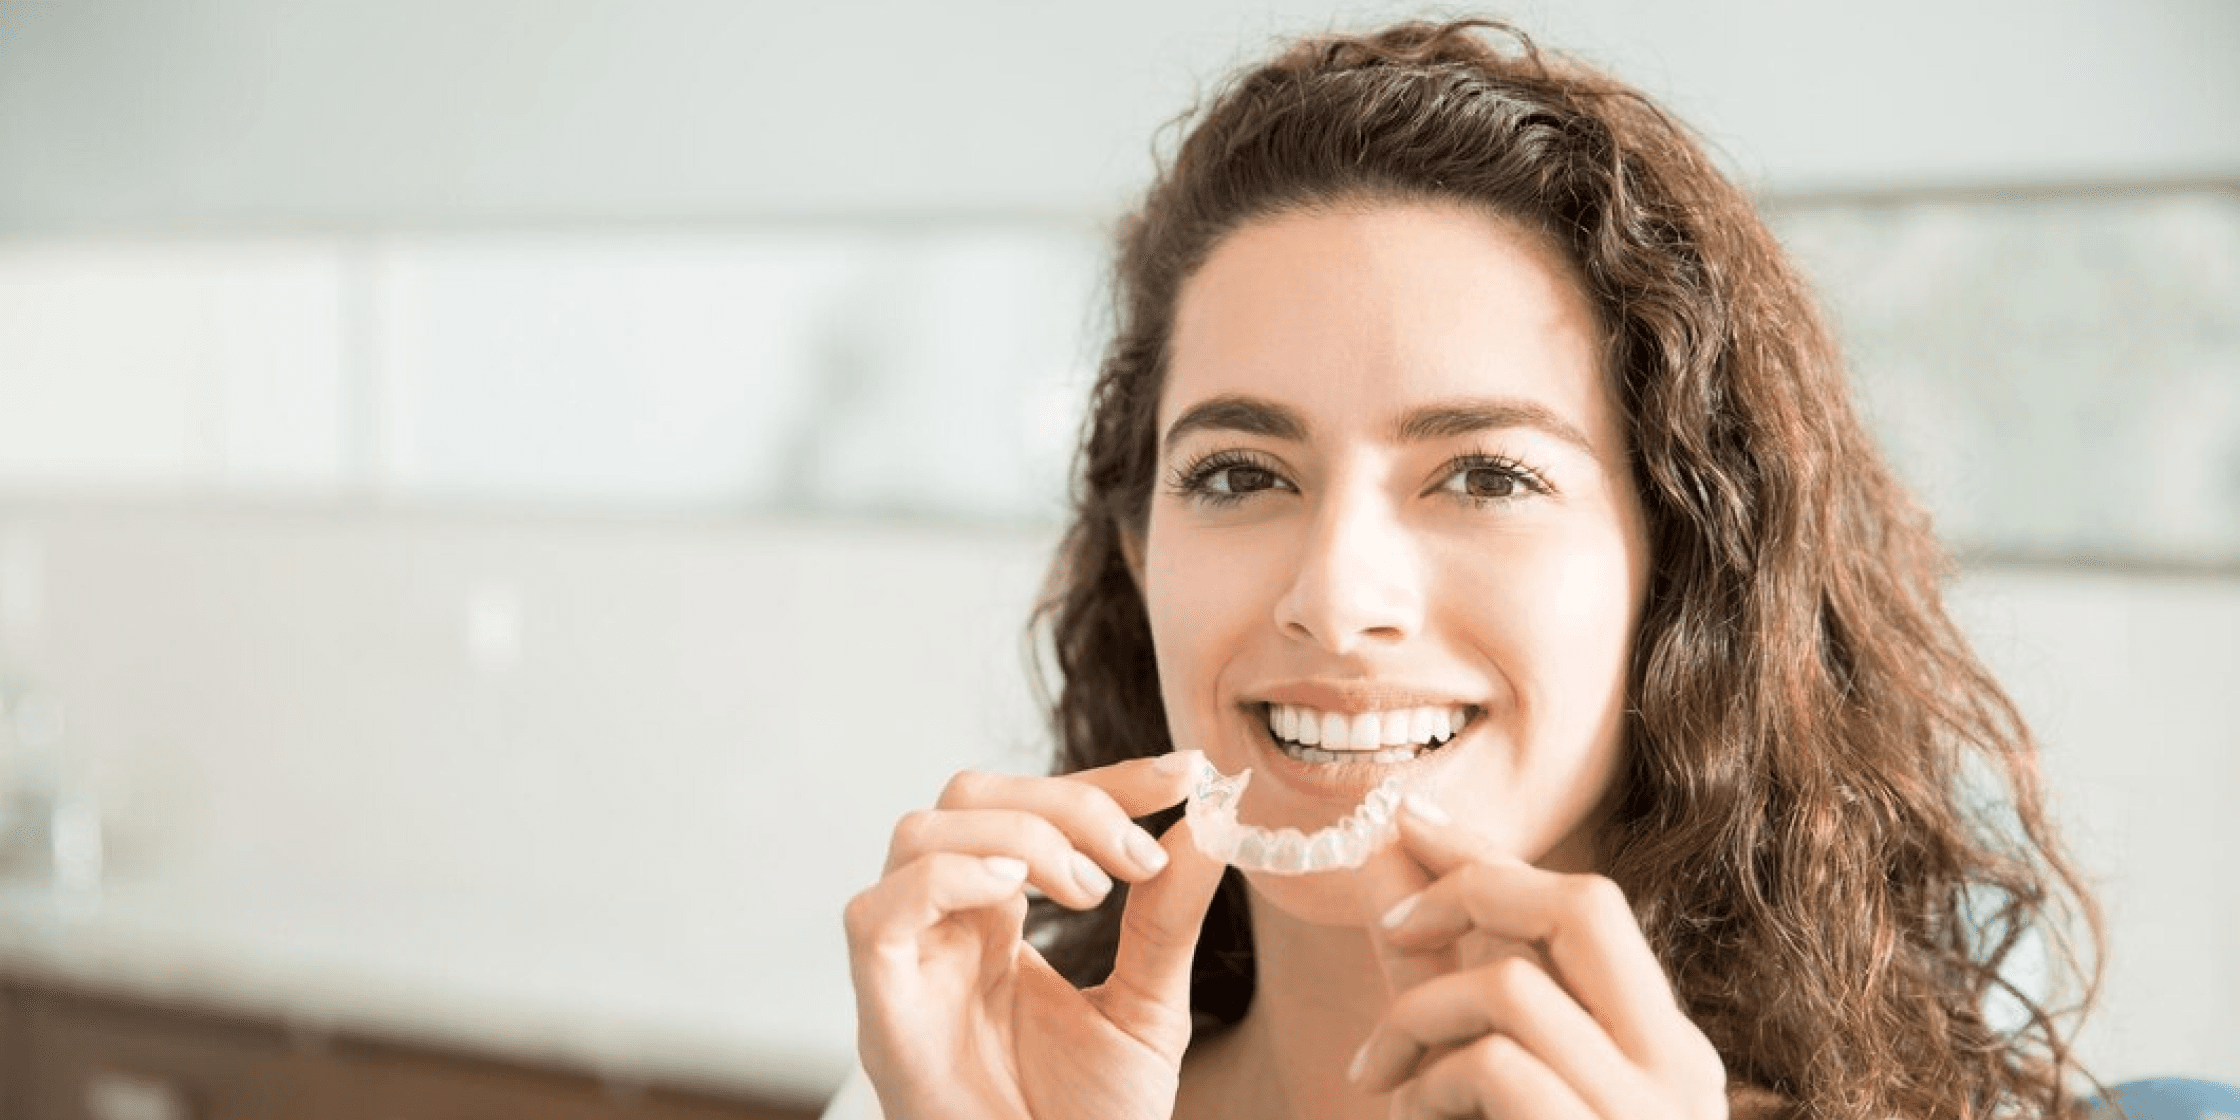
(2177, 1098)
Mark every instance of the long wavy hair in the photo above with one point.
(1830, 824)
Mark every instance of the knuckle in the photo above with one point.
(1495, 1056)
(1689, 1062)
(857, 918)
(910, 831)
(1508, 980)
(965, 787)
(1597, 897)
(1469, 879)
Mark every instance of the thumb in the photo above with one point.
(1148, 995)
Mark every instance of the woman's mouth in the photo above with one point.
(1394, 735)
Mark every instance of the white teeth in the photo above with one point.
(1367, 731)
(1397, 725)
(1424, 722)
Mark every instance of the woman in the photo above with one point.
(1455, 393)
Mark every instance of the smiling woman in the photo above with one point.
(1466, 434)
(1411, 492)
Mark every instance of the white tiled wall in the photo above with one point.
(858, 369)
(172, 365)
(2057, 376)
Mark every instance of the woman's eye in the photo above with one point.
(1223, 478)
(1487, 482)
(1240, 480)
(1491, 482)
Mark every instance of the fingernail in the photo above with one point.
(1176, 762)
(1005, 867)
(1089, 876)
(1400, 910)
(1144, 850)
(1425, 809)
(1360, 1062)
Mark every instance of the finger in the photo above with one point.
(1514, 998)
(951, 905)
(1141, 786)
(1591, 937)
(1093, 808)
(1054, 865)
(1390, 876)
(1492, 1077)
(1148, 994)
(890, 915)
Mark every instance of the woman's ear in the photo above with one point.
(1131, 550)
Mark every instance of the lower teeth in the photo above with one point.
(1315, 755)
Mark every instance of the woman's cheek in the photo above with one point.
(1583, 594)
(1553, 615)
(1183, 599)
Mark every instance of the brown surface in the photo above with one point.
(59, 1049)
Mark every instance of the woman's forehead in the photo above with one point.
(1368, 316)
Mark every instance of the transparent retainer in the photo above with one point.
(1212, 810)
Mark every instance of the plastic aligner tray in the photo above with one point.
(1212, 811)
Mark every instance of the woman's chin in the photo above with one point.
(1326, 898)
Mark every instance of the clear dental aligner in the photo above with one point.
(1212, 810)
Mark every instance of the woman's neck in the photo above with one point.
(1317, 991)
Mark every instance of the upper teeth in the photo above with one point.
(1365, 731)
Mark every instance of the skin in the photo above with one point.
(1360, 557)
(1341, 552)
(1499, 562)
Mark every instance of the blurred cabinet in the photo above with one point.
(71, 1056)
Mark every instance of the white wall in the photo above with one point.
(2128, 682)
(642, 766)
(588, 792)
(228, 114)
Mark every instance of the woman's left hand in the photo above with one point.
(1526, 993)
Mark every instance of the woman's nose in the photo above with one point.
(1358, 578)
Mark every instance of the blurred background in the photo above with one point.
(503, 502)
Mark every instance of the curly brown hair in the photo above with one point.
(1830, 828)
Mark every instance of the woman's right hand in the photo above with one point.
(959, 1018)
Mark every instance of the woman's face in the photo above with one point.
(1393, 484)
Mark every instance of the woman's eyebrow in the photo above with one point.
(1444, 420)
(1233, 413)
(1448, 419)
